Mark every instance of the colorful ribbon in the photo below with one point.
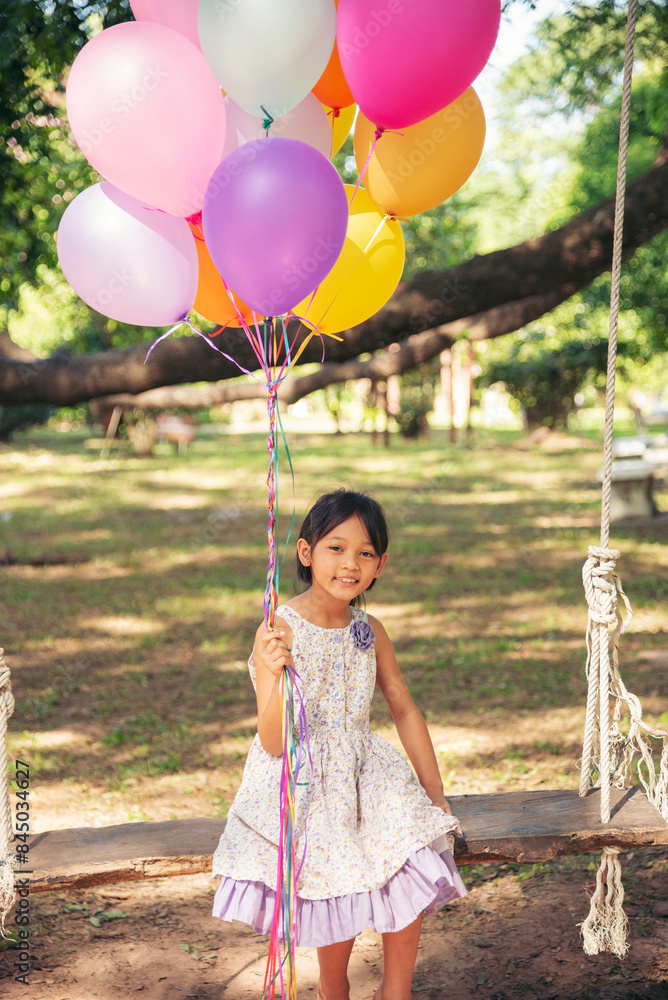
(276, 356)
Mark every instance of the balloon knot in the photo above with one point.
(267, 121)
(195, 219)
(378, 132)
(336, 112)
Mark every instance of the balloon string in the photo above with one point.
(283, 923)
(267, 121)
(287, 875)
(376, 136)
(270, 596)
(382, 222)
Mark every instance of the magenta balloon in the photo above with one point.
(148, 114)
(275, 218)
(181, 15)
(404, 60)
(126, 259)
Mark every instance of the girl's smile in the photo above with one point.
(343, 562)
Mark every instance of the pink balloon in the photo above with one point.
(404, 60)
(127, 259)
(148, 114)
(275, 219)
(308, 122)
(181, 15)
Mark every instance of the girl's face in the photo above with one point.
(344, 562)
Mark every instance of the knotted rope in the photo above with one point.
(606, 927)
(9, 862)
(607, 752)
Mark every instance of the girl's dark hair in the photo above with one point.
(336, 507)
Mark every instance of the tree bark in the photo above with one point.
(394, 360)
(553, 266)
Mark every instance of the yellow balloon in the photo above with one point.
(420, 168)
(340, 125)
(366, 272)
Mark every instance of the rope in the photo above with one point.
(606, 927)
(616, 271)
(9, 862)
(606, 751)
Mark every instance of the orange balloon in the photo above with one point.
(212, 300)
(340, 121)
(332, 88)
(418, 169)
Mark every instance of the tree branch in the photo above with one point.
(555, 265)
(392, 361)
(11, 351)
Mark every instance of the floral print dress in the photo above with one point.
(377, 851)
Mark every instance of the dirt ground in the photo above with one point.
(514, 935)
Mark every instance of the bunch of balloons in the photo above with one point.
(213, 123)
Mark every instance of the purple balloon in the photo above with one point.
(275, 217)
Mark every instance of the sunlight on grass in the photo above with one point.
(129, 662)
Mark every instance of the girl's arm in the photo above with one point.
(272, 652)
(410, 724)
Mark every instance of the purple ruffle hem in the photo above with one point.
(425, 882)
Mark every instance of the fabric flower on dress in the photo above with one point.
(363, 635)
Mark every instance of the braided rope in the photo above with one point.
(606, 927)
(601, 610)
(8, 860)
(615, 281)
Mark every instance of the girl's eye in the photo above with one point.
(335, 547)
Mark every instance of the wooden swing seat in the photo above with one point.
(525, 827)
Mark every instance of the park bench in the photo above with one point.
(523, 827)
(639, 461)
(181, 430)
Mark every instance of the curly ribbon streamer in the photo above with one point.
(276, 356)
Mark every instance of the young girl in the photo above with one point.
(378, 838)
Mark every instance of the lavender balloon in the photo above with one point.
(275, 218)
(126, 259)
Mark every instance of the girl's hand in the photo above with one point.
(274, 651)
(441, 803)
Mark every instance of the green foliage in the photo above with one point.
(14, 418)
(556, 156)
(544, 379)
(417, 399)
(42, 168)
(441, 237)
(567, 129)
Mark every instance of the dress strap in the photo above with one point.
(285, 611)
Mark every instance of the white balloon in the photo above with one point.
(267, 55)
(127, 259)
(308, 122)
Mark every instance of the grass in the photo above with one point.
(129, 666)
